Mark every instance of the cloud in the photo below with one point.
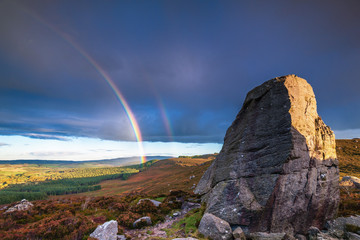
(4, 144)
(199, 60)
(347, 133)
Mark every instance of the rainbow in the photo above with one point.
(165, 119)
(105, 76)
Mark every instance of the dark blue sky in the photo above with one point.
(196, 58)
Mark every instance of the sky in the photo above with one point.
(82, 75)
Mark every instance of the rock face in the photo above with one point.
(277, 170)
(107, 231)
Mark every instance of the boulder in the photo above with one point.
(215, 228)
(353, 236)
(106, 231)
(144, 221)
(339, 227)
(267, 236)
(156, 203)
(277, 170)
(22, 206)
(239, 234)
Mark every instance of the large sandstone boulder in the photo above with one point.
(277, 170)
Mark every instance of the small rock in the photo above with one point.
(300, 237)
(156, 203)
(266, 236)
(22, 206)
(121, 237)
(215, 228)
(188, 238)
(187, 206)
(176, 214)
(239, 234)
(191, 177)
(146, 220)
(107, 231)
(353, 236)
(313, 232)
(339, 226)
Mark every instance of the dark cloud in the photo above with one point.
(199, 59)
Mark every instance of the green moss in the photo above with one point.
(352, 228)
(191, 221)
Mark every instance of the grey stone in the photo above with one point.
(337, 227)
(300, 237)
(106, 231)
(277, 170)
(188, 238)
(187, 206)
(156, 203)
(22, 206)
(353, 236)
(239, 234)
(121, 237)
(142, 219)
(267, 236)
(215, 228)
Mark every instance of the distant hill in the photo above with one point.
(89, 163)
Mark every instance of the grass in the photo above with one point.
(161, 178)
(348, 152)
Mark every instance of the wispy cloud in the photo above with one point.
(347, 133)
(4, 144)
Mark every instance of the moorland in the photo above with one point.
(114, 193)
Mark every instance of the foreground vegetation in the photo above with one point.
(76, 218)
(348, 152)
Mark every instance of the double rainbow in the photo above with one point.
(105, 76)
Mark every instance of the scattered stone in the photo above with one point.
(187, 206)
(144, 220)
(353, 236)
(214, 227)
(106, 231)
(188, 238)
(22, 206)
(277, 170)
(176, 214)
(4, 208)
(239, 234)
(121, 237)
(350, 182)
(266, 236)
(300, 237)
(313, 233)
(156, 203)
(339, 226)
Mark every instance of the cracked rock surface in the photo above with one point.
(277, 170)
